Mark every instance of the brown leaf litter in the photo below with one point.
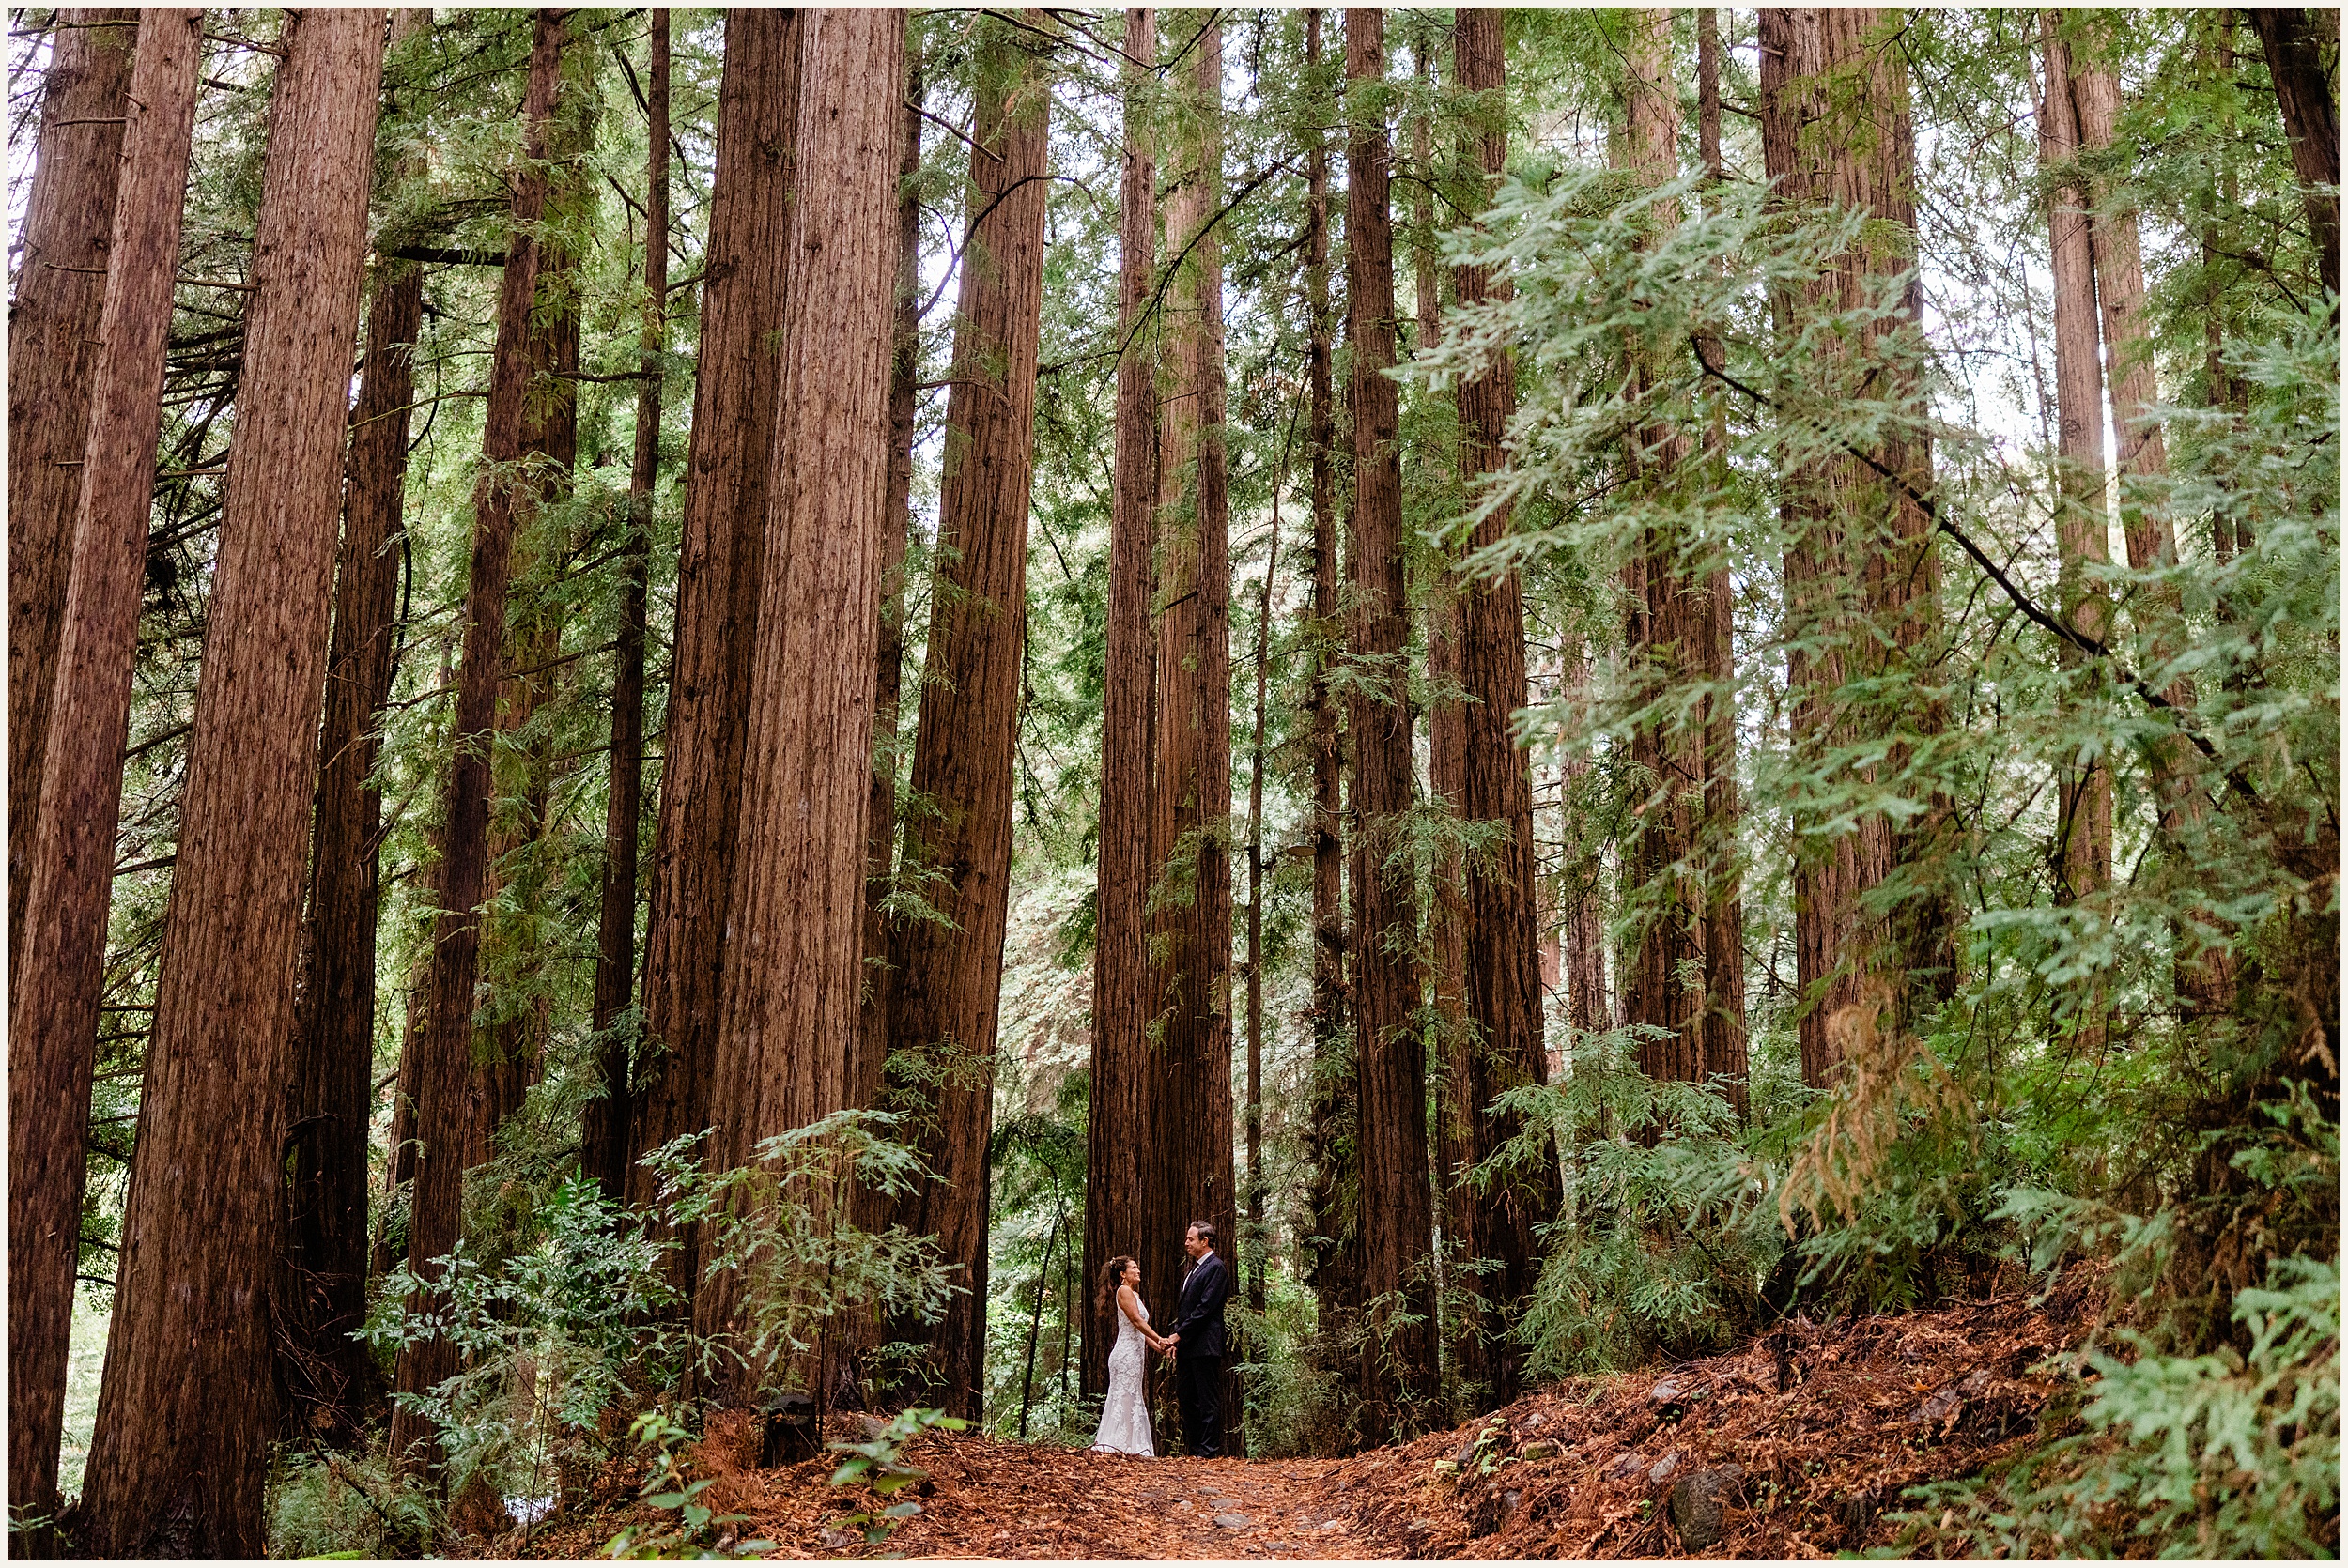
(1795, 1447)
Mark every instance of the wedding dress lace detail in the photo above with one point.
(1125, 1419)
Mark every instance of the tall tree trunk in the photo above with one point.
(950, 977)
(1456, 1042)
(2294, 61)
(1255, 908)
(2204, 980)
(794, 955)
(445, 1115)
(1667, 625)
(1723, 1026)
(1190, 970)
(720, 565)
(604, 1137)
(52, 351)
(2084, 823)
(1335, 1268)
(180, 1454)
(509, 1049)
(326, 1375)
(1851, 143)
(867, 1074)
(1504, 979)
(1118, 1121)
(52, 1016)
(1398, 1377)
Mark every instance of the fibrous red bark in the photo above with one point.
(950, 977)
(52, 1016)
(718, 575)
(1118, 1123)
(794, 955)
(1398, 1369)
(181, 1451)
(446, 1114)
(52, 358)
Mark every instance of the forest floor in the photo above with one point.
(1797, 1446)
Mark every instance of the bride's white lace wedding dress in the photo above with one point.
(1125, 1419)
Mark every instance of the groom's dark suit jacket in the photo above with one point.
(1199, 1316)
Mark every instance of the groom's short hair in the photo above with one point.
(1205, 1229)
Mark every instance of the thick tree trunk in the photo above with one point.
(605, 1154)
(53, 1030)
(1190, 929)
(510, 1049)
(180, 1453)
(1335, 1273)
(950, 977)
(2294, 61)
(2204, 980)
(795, 930)
(2084, 824)
(867, 1072)
(1456, 1044)
(326, 1376)
(1668, 627)
(1119, 1128)
(1503, 968)
(719, 569)
(446, 1114)
(1398, 1376)
(53, 355)
(1851, 143)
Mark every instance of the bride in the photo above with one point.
(1125, 1417)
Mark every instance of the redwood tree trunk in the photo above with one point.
(1503, 977)
(326, 1375)
(445, 1115)
(1189, 995)
(867, 1074)
(1336, 1271)
(53, 358)
(794, 953)
(180, 1453)
(949, 979)
(2206, 979)
(1398, 1373)
(605, 1154)
(1846, 522)
(2310, 118)
(2084, 823)
(1119, 1125)
(53, 1029)
(718, 573)
(1665, 640)
(1725, 1061)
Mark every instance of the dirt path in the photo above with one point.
(1798, 1445)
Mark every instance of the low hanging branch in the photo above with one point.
(2091, 647)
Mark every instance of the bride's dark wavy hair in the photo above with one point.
(1111, 1277)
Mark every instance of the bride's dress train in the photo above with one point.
(1125, 1417)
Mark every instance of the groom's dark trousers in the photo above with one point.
(1199, 1356)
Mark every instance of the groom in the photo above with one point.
(1198, 1341)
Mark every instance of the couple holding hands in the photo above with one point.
(1196, 1341)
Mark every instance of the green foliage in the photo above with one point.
(2233, 1453)
(686, 1535)
(879, 1464)
(548, 1340)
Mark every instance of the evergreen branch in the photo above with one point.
(2060, 627)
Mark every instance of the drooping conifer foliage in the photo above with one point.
(701, 701)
